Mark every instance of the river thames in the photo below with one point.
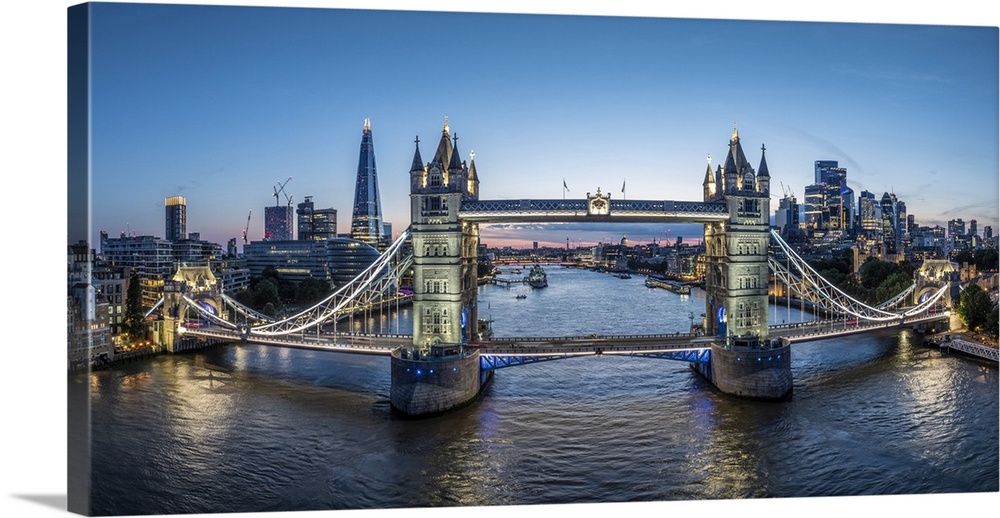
(244, 428)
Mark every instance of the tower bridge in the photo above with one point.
(444, 363)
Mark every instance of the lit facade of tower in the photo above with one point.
(176, 218)
(737, 273)
(366, 221)
(444, 248)
(744, 361)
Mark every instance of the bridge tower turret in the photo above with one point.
(437, 373)
(736, 283)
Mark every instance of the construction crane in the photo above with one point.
(281, 188)
(246, 228)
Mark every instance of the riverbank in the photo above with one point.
(120, 358)
(145, 353)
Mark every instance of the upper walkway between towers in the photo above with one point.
(597, 207)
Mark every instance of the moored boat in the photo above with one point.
(537, 277)
(676, 287)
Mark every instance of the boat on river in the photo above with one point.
(674, 286)
(537, 277)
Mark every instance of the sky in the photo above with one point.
(220, 104)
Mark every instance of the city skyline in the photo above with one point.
(220, 104)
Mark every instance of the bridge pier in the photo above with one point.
(445, 379)
(750, 372)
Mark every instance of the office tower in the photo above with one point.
(839, 205)
(324, 227)
(870, 216)
(366, 221)
(816, 216)
(176, 218)
(316, 224)
(828, 172)
(900, 225)
(956, 228)
(889, 222)
(829, 203)
(304, 212)
(786, 218)
(973, 227)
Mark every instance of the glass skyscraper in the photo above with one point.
(366, 221)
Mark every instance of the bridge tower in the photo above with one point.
(932, 276)
(744, 361)
(197, 283)
(437, 373)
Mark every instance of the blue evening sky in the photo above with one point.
(220, 103)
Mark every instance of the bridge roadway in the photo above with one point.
(684, 346)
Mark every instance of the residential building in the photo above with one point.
(151, 257)
(176, 218)
(278, 223)
(88, 334)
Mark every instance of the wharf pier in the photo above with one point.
(960, 343)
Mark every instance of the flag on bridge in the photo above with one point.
(623, 188)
